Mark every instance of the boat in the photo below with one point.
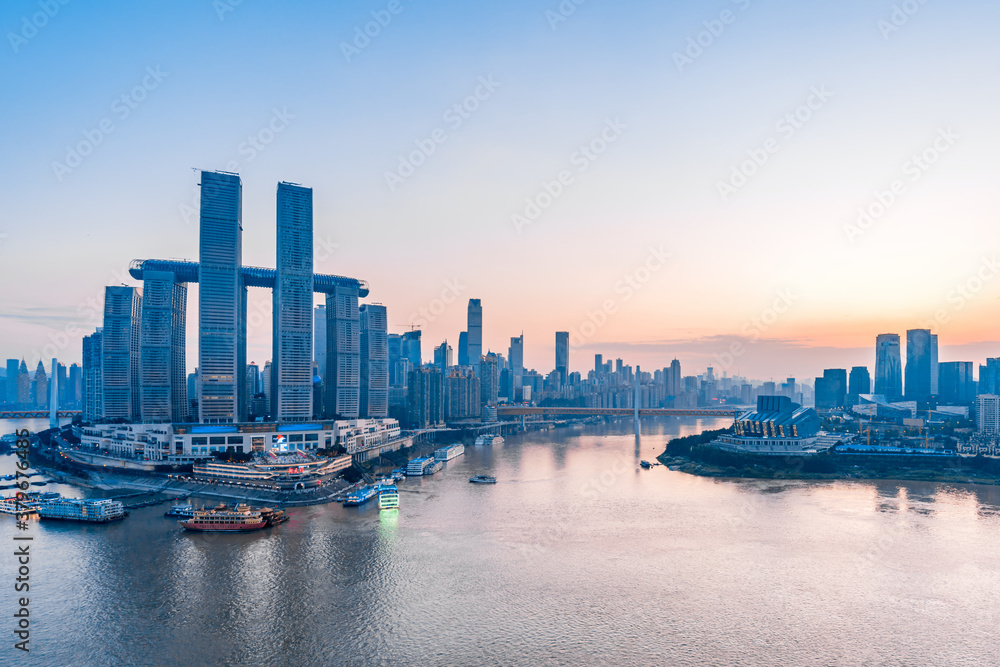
(646, 464)
(359, 496)
(449, 452)
(183, 511)
(88, 511)
(11, 506)
(487, 439)
(399, 473)
(272, 516)
(483, 479)
(432, 467)
(222, 519)
(416, 466)
(388, 497)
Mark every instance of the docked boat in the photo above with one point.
(432, 467)
(416, 466)
(449, 452)
(88, 511)
(182, 511)
(488, 439)
(222, 519)
(399, 473)
(483, 479)
(359, 496)
(646, 464)
(11, 506)
(388, 497)
(272, 516)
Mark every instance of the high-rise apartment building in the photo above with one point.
(120, 340)
(74, 392)
(888, 367)
(343, 354)
(425, 397)
(443, 357)
(222, 301)
(410, 348)
(162, 349)
(988, 413)
(489, 384)
(374, 396)
(291, 355)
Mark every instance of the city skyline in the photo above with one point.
(648, 206)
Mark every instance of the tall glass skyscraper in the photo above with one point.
(374, 399)
(11, 396)
(162, 365)
(291, 357)
(222, 301)
(343, 354)
(120, 352)
(319, 338)
(888, 367)
(475, 331)
(93, 408)
(919, 355)
(562, 355)
(516, 361)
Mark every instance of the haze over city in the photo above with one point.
(255, 89)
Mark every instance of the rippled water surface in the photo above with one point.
(576, 556)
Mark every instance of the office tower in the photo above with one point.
(443, 357)
(562, 355)
(253, 378)
(40, 386)
(410, 348)
(291, 340)
(93, 381)
(989, 377)
(860, 382)
(831, 389)
(395, 342)
(888, 367)
(463, 348)
(120, 340)
(425, 397)
(265, 380)
(343, 354)
(162, 346)
(988, 413)
(598, 364)
(463, 395)
(956, 383)
(919, 353)
(222, 301)
(74, 392)
(374, 397)
(674, 379)
(59, 376)
(516, 354)
(11, 394)
(489, 384)
(319, 338)
(934, 365)
(475, 329)
(768, 389)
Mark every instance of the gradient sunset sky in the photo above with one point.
(885, 85)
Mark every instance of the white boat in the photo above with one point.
(449, 452)
(416, 466)
(488, 439)
(89, 511)
(483, 479)
(183, 511)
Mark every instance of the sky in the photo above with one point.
(758, 186)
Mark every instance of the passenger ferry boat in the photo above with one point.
(487, 439)
(222, 519)
(359, 496)
(416, 466)
(448, 453)
(88, 511)
(11, 506)
(388, 497)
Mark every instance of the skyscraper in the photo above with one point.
(956, 383)
(162, 348)
(443, 357)
(93, 382)
(831, 389)
(598, 364)
(425, 397)
(562, 355)
(888, 367)
(989, 377)
(10, 396)
(674, 387)
(374, 397)
(410, 348)
(343, 354)
(859, 382)
(253, 378)
(74, 393)
(222, 301)
(23, 385)
(463, 348)
(489, 385)
(291, 355)
(516, 355)
(934, 365)
(475, 329)
(62, 385)
(120, 358)
(40, 385)
(319, 338)
(919, 354)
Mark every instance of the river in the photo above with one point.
(575, 557)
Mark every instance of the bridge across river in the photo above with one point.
(524, 410)
(38, 414)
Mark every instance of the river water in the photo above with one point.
(576, 557)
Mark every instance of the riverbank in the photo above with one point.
(693, 456)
